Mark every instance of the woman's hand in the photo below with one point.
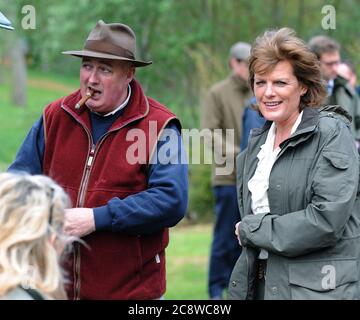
(237, 233)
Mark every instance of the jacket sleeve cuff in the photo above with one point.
(102, 217)
(250, 224)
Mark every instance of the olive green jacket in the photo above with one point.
(223, 108)
(312, 232)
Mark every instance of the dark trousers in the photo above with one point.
(225, 248)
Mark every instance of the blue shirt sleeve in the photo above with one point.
(163, 204)
(30, 155)
(251, 119)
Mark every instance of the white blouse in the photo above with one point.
(259, 183)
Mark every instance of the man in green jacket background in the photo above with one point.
(223, 109)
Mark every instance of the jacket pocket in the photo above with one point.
(337, 159)
(323, 280)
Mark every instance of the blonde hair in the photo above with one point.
(283, 45)
(31, 213)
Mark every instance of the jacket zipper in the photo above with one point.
(89, 163)
(85, 181)
(80, 204)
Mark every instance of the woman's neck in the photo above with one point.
(280, 136)
(283, 131)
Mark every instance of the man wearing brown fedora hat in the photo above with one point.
(104, 144)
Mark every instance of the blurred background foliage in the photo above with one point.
(188, 41)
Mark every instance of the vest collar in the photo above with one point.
(137, 108)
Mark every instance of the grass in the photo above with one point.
(187, 262)
(15, 122)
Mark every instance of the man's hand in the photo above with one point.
(237, 232)
(79, 222)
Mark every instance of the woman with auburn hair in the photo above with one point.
(297, 183)
(31, 237)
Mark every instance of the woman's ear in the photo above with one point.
(304, 89)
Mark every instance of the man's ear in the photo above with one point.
(232, 63)
(131, 73)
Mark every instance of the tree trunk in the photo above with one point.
(300, 17)
(18, 64)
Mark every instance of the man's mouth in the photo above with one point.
(95, 92)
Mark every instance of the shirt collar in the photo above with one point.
(330, 86)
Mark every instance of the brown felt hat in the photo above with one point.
(110, 41)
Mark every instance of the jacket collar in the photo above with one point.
(307, 126)
(137, 108)
(308, 123)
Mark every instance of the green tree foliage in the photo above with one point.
(177, 34)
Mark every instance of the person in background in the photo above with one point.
(32, 239)
(340, 91)
(347, 70)
(298, 183)
(120, 156)
(251, 119)
(223, 108)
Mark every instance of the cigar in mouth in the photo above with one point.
(84, 99)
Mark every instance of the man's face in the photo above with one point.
(329, 63)
(345, 72)
(108, 79)
(240, 68)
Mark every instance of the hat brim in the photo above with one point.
(4, 26)
(94, 54)
(5, 22)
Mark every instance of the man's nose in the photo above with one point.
(335, 67)
(93, 77)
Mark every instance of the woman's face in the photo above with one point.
(278, 94)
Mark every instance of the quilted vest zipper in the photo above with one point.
(80, 204)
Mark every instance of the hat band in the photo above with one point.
(109, 48)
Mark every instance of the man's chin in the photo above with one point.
(93, 108)
(97, 109)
